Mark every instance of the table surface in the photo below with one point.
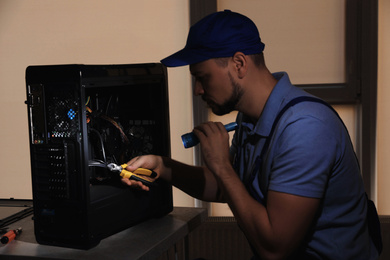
(147, 240)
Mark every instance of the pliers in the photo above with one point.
(136, 175)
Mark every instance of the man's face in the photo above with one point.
(216, 85)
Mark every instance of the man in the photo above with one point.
(300, 197)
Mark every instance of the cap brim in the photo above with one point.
(184, 57)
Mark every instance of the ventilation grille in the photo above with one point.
(219, 238)
(63, 115)
(51, 175)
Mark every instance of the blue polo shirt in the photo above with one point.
(310, 155)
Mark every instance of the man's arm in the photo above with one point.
(198, 182)
(275, 231)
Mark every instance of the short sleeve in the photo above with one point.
(302, 157)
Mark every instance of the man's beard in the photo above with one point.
(230, 104)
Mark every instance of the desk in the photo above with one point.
(147, 240)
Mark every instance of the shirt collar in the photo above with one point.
(272, 106)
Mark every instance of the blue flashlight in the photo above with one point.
(190, 139)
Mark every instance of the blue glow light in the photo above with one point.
(71, 114)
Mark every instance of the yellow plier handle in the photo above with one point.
(138, 174)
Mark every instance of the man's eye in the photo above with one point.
(198, 79)
(201, 79)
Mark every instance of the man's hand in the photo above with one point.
(214, 141)
(151, 162)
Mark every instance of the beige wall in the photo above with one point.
(383, 126)
(86, 32)
(303, 37)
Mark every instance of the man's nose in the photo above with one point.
(198, 89)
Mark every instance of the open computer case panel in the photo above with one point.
(81, 118)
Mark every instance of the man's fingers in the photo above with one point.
(135, 184)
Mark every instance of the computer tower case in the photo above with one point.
(82, 117)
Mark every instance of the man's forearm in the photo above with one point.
(196, 181)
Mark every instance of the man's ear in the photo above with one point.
(240, 63)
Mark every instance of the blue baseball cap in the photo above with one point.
(218, 35)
